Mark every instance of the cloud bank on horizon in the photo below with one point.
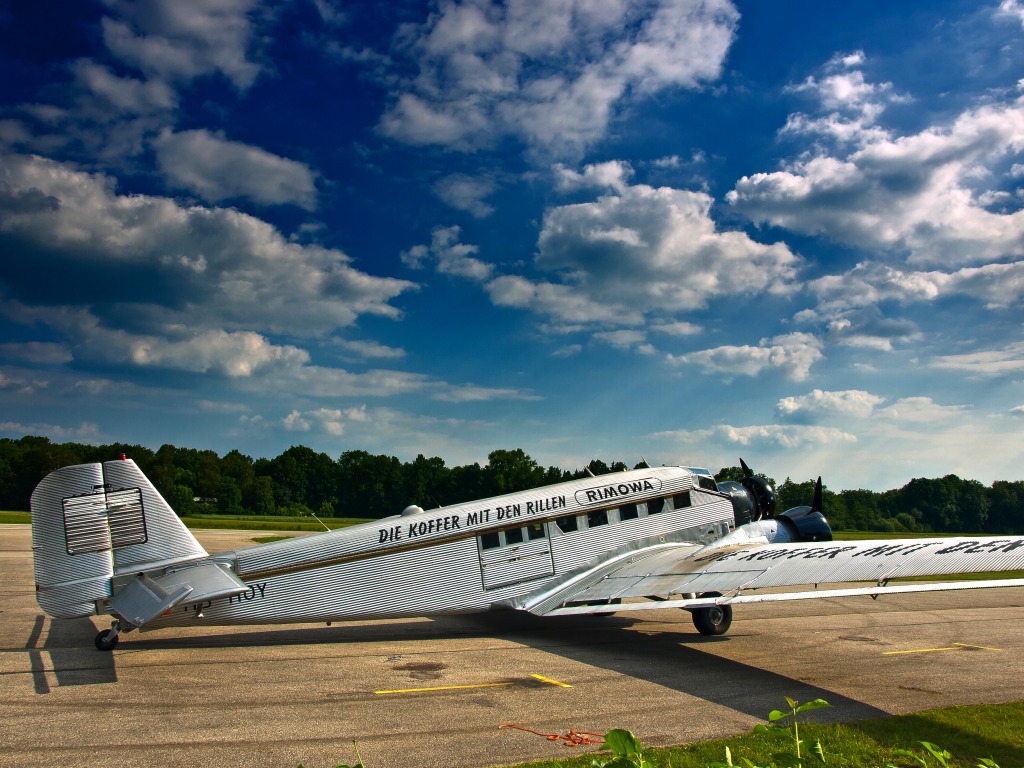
(685, 230)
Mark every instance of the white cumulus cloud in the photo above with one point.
(217, 169)
(922, 410)
(448, 255)
(467, 193)
(850, 402)
(782, 436)
(195, 267)
(922, 193)
(644, 251)
(550, 74)
(180, 40)
(1008, 360)
(793, 354)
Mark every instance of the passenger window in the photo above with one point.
(594, 519)
(628, 512)
(490, 541)
(514, 536)
(567, 524)
(535, 531)
(681, 500)
(655, 505)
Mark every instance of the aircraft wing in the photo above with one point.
(687, 576)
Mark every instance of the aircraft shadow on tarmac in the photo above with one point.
(674, 659)
(670, 659)
(69, 649)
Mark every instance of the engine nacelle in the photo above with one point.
(806, 524)
(744, 508)
(753, 499)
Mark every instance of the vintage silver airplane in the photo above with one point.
(105, 542)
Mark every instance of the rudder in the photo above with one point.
(92, 522)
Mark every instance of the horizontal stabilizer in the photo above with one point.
(208, 579)
(145, 597)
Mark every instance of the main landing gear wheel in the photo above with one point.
(715, 620)
(106, 640)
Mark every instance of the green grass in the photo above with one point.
(269, 522)
(15, 517)
(242, 522)
(970, 733)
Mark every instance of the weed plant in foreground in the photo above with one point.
(982, 736)
(902, 741)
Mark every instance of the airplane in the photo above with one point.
(106, 543)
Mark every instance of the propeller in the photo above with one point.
(760, 490)
(753, 499)
(808, 523)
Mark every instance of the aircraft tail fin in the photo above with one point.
(91, 522)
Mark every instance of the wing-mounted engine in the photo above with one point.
(807, 523)
(753, 499)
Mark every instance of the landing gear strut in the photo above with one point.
(107, 639)
(715, 620)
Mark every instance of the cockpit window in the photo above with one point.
(681, 500)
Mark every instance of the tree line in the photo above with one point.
(359, 484)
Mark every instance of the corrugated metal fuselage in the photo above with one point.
(466, 558)
(106, 542)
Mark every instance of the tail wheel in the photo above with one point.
(715, 620)
(106, 640)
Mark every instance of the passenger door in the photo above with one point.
(515, 555)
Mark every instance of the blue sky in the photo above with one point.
(690, 231)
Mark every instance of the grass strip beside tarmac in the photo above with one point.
(969, 733)
(15, 518)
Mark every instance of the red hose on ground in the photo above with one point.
(570, 739)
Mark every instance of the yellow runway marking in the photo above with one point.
(954, 647)
(473, 685)
(447, 687)
(550, 681)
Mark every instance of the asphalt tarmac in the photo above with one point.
(431, 693)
